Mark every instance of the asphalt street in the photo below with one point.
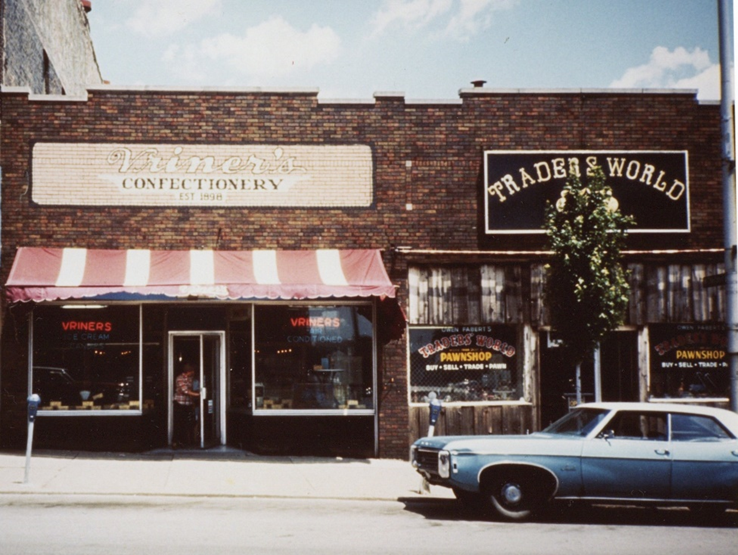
(122, 525)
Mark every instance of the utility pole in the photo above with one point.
(730, 225)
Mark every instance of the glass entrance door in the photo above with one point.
(197, 389)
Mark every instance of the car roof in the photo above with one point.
(651, 406)
(683, 408)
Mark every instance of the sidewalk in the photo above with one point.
(221, 472)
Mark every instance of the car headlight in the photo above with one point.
(444, 464)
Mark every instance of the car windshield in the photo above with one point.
(578, 422)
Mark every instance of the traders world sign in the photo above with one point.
(650, 186)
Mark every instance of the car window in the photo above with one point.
(692, 427)
(638, 425)
(578, 422)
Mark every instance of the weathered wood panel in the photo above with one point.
(637, 304)
(676, 293)
(513, 294)
(537, 306)
(494, 294)
(700, 297)
(471, 294)
(473, 420)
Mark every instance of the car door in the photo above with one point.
(630, 459)
(705, 459)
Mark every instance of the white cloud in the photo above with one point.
(273, 48)
(474, 16)
(680, 68)
(156, 18)
(707, 82)
(409, 13)
(458, 18)
(186, 63)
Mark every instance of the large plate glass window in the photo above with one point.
(689, 361)
(314, 358)
(86, 358)
(464, 363)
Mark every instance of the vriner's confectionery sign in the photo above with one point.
(651, 186)
(125, 174)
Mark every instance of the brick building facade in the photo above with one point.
(413, 180)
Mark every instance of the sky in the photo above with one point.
(427, 49)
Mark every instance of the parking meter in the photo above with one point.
(33, 402)
(435, 411)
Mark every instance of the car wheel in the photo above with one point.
(512, 497)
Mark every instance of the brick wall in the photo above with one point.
(427, 157)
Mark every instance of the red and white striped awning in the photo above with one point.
(41, 274)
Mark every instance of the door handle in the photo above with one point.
(661, 451)
(734, 453)
(204, 393)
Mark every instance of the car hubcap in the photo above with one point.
(512, 493)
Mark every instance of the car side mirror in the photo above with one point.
(607, 434)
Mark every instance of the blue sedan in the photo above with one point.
(649, 453)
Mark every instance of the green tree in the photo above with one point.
(586, 288)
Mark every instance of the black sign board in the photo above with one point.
(651, 186)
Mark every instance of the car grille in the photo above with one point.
(427, 459)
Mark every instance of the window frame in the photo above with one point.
(660, 374)
(323, 411)
(88, 413)
(651, 417)
(728, 436)
(517, 392)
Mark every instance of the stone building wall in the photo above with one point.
(47, 47)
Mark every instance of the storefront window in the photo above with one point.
(464, 363)
(689, 361)
(313, 358)
(87, 359)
